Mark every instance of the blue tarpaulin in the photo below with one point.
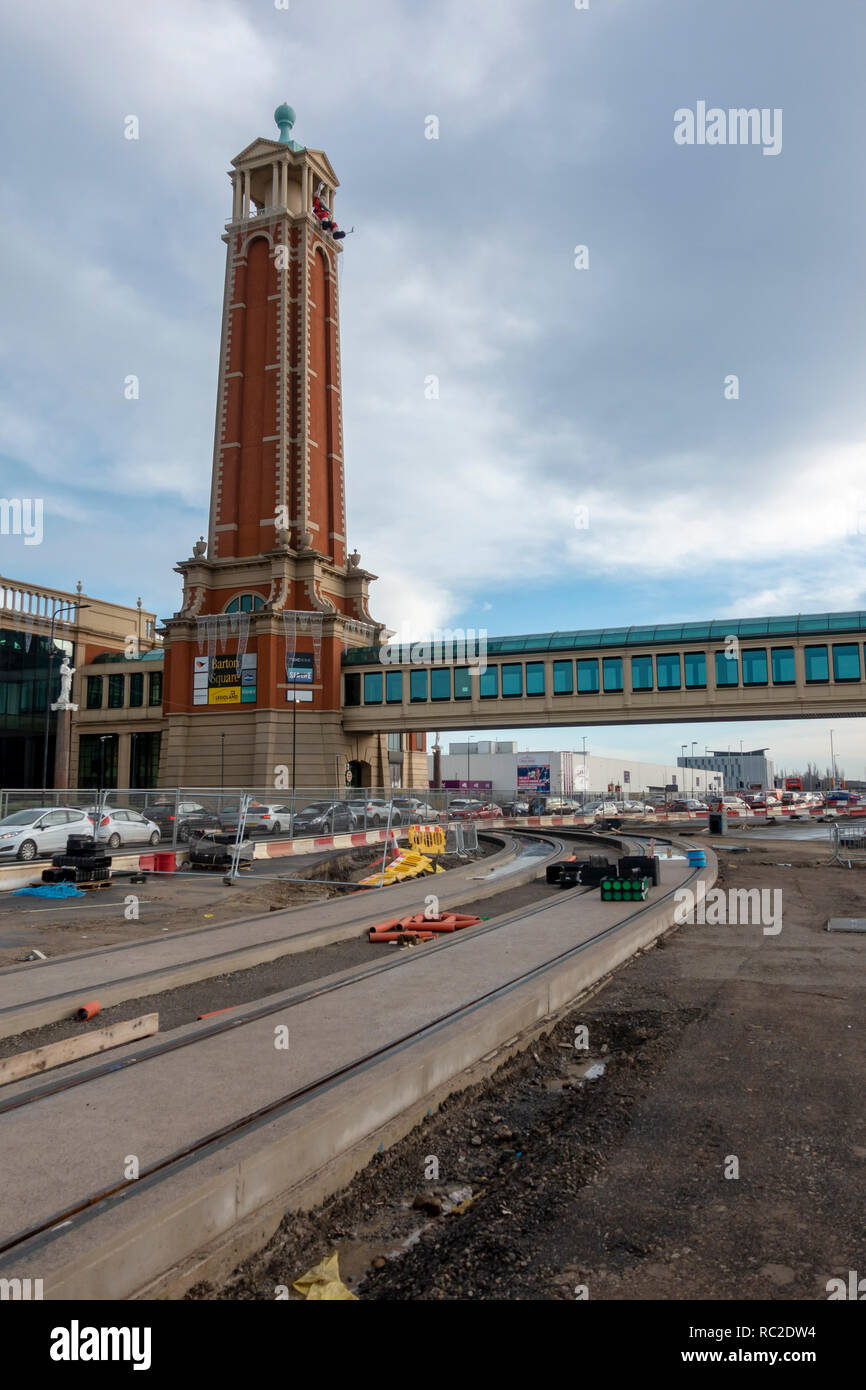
(51, 890)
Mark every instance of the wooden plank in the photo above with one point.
(71, 1049)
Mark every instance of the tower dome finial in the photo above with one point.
(285, 119)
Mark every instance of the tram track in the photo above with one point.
(102, 1199)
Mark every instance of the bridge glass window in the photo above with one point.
(417, 686)
(115, 692)
(154, 688)
(488, 683)
(817, 665)
(668, 670)
(440, 683)
(535, 677)
(512, 681)
(727, 669)
(393, 687)
(136, 689)
(784, 670)
(94, 692)
(352, 688)
(462, 683)
(563, 678)
(695, 664)
(754, 661)
(641, 673)
(587, 676)
(846, 661)
(372, 687)
(612, 673)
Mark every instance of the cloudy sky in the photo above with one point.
(566, 395)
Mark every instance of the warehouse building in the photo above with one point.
(497, 769)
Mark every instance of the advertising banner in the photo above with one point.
(533, 777)
(225, 680)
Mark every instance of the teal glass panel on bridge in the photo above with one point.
(440, 683)
(462, 684)
(695, 664)
(535, 677)
(783, 666)
(612, 666)
(641, 673)
(352, 688)
(727, 669)
(817, 665)
(668, 670)
(417, 687)
(754, 662)
(587, 676)
(512, 681)
(488, 683)
(372, 687)
(394, 688)
(563, 678)
(846, 661)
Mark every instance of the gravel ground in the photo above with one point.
(720, 1154)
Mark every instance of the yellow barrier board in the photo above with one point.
(430, 838)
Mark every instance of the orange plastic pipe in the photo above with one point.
(400, 935)
(88, 1010)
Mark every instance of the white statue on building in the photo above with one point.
(66, 674)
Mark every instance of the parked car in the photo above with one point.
(516, 808)
(325, 818)
(370, 813)
(734, 803)
(120, 825)
(413, 811)
(192, 819)
(462, 808)
(687, 804)
(600, 808)
(41, 830)
(263, 818)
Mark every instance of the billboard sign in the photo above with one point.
(220, 680)
(533, 777)
(300, 668)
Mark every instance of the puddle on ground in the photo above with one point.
(358, 1252)
(575, 1074)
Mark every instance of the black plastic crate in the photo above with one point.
(583, 874)
(80, 844)
(639, 866)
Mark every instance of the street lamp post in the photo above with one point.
(55, 614)
(832, 759)
(468, 752)
(683, 747)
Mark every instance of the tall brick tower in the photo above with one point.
(273, 587)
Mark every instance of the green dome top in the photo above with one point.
(285, 119)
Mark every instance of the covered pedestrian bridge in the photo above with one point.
(795, 667)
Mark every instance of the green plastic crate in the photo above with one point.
(624, 890)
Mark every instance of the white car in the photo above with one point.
(734, 803)
(601, 808)
(41, 831)
(120, 825)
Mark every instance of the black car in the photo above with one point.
(192, 819)
(324, 818)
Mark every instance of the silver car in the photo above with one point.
(120, 825)
(271, 818)
(42, 830)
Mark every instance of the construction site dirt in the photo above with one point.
(704, 1138)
